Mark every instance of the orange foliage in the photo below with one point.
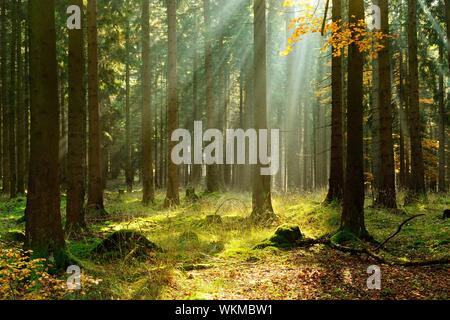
(342, 34)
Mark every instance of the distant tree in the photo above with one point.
(129, 174)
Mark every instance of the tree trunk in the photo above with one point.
(447, 15)
(441, 129)
(386, 196)
(76, 134)
(262, 200)
(4, 103)
(95, 186)
(12, 103)
(353, 205)
(292, 109)
(417, 179)
(402, 121)
(129, 176)
(196, 168)
(20, 115)
(212, 171)
(44, 233)
(147, 129)
(336, 183)
(172, 196)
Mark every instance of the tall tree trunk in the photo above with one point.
(442, 123)
(212, 171)
(26, 115)
(417, 179)
(336, 183)
(76, 134)
(3, 102)
(172, 196)
(375, 145)
(129, 176)
(293, 118)
(12, 103)
(95, 185)
(63, 131)
(402, 121)
(353, 205)
(196, 168)
(386, 196)
(44, 233)
(447, 15)
(147, 129)
(262, 199)
(20, 115)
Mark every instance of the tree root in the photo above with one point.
(392, 261)
(374, 253)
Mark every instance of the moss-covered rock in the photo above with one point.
(125, 243)
(13, 236)
(343, 236)
(285, 237)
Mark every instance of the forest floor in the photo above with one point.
(222, 264)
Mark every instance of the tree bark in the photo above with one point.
(196, 168)
(4, 102)
(172, 195)
(12, 104)
(262, 200)
(336, 183)
(44, 233)
(417, 178)
(353, 205)
(129, 176)
(212, 171)
(20, 115)
(447, 15)
(147, 130)
(441, 129)
(76, 130)
(95, 185)
(386, 196)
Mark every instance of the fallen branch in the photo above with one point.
(399, 229)
(393, 261)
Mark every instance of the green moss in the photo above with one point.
(285, 237)
(343, 236)
(125, 242)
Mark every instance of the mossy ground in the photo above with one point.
(221, 260)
